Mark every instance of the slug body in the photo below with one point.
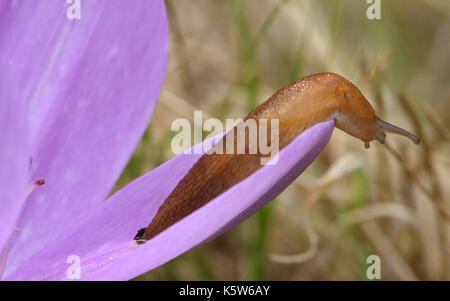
(297, 106)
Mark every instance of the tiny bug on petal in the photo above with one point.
(139, 237)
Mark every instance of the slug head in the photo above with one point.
(356, 116)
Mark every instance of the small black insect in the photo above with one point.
(139, 237)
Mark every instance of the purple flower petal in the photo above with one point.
(14, 161)
(91, 86)
(104, 242)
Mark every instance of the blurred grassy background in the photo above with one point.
(229, 56)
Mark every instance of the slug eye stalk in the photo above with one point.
(395, 130)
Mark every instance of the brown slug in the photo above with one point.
(297, 106)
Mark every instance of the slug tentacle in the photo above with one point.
(396, 130)
(381, 137)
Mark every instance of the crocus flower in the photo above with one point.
(76, 97)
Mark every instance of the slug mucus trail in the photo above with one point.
(297, 106)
